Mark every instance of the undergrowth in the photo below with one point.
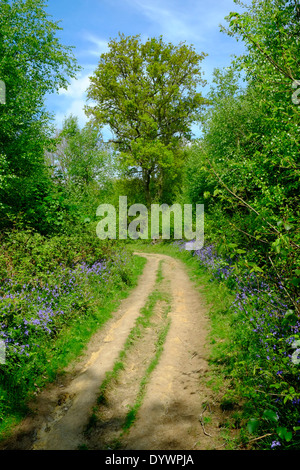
(253, 336)
(50, 305)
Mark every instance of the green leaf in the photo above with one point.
(270, 415)
(289, 436)
(232, 245)
(256, 269)
(296, 281)
(283, 433)
(252, 425)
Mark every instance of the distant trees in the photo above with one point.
(79, 156)
(148, 95)
(82, 167)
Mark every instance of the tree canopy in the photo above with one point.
(246, 168)
(147, 93)
(33, 63)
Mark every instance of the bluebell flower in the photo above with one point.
(275, 444)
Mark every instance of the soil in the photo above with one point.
(178, 410)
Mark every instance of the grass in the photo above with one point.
(143, 321)
(131, 415)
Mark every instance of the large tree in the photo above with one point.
(33, 64)
(147, 93)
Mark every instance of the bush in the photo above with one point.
(48, 285)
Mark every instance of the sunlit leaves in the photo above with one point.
(147, 93)
(33, 63)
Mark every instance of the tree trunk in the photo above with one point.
(146, 180)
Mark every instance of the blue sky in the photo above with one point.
(88, 25)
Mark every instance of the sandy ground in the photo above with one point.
(178, 411)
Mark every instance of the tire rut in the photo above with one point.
(124, 393)
(170, 417)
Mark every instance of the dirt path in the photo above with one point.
(166, 394)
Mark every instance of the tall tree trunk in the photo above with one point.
(146, 180)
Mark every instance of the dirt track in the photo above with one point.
(178, 411)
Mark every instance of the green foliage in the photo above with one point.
(246, 167)
(33, 64)
(79, 156)
(28, 254)
(83, 170)
(147, 94)
(56, 292)
(245, 170)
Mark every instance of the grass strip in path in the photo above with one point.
(123, 390)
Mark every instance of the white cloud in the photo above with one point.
(74, 107)
(101, 45)
(174, 24)
(73, 99)
(77, 87)
(189, 20)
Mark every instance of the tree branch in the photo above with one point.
(248, 205)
